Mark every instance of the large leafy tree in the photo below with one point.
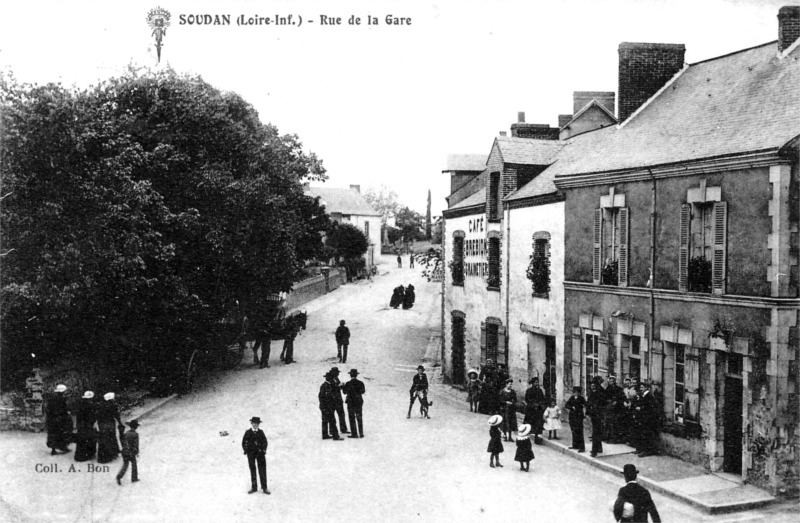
(411, 223)
(384, 200)
(138, 212)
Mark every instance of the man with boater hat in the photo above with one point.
(254, 445)
(326, 408)
(354, 390)
(634, 502)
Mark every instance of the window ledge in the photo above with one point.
(688, 429)
(544, 295)
(457, 284)
(495, 289)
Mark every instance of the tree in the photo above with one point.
(137, 213)
(348, 245)
(383, 200)
(428, 218)
(411, 223)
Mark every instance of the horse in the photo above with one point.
(286, 328)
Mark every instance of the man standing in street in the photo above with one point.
(646, 413)
(342, 341)
(254, 445)
(326, 407)
(615, 398)
(594, 408)
(637, 497)
(534, 408)
(130, 451)
(575, 405)
(419, 384)
(354, 390)
(338, 403)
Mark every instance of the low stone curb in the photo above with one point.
(140, 412)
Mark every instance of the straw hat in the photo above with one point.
(61, 388)
(495, 420)
(109, 396)
(88, 395)
(472, 371)
(524, 430)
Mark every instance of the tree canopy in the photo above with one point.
(141, 209)
(411, 223)
(347, 241)
(384, 200)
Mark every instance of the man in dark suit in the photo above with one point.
(354, 390)
(342, 341)
(576, 405)
(130, 451)
(326, 407)
(420, 383)
(254, 445)
(637, 496)
(338, 402)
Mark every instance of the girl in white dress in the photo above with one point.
(552, 420)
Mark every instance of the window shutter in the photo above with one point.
(669, 380)
(602, 357)
(483, 343)
(718, 271)
(576, 357)
(683, 254)
(691, 376)
(502, 345)
(597, 247)
(623, 246)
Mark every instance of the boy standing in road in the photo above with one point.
(130, 451)
(254, 444)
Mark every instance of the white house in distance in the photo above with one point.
(349, 206)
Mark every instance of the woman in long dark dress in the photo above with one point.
(409, 297)
(107, 422)
(59, 422)
(488, 396)
(508, 403)
(86, 442)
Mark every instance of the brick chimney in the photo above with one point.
(644, 69)
(539, 131)
(604, 98)
(564, 119)
(356, 188)
(788, 26)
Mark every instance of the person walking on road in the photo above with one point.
(418, 385)
(411, 260)
(634, 502)
(338, 402)
(354, 390)
(326, 407)
(399, 262)
(495, 444)
(576, 406)
(342, 341)
(59, 422)
(130, 452)
(254, 445)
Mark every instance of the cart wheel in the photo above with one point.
(232, 354)
(191, 371)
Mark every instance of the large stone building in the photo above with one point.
(671, 231)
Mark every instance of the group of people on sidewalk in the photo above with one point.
(97, 424)
(626, 414)
(403, 296)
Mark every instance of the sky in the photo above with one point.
(381, 104)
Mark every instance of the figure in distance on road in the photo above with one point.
(254, 445)
(342, 341)
(419, 391)
(130, 452)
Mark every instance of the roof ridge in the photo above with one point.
(734, 52)
(641, 108)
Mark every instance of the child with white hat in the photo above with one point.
(524, 449)
(495, 444)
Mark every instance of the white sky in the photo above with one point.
(382, 104)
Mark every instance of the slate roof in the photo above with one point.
(477, 198)
(746, 101)
(541, 185)
(465, 162)
(527, 151)
(345, 201)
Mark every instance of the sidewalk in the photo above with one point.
(714, 493)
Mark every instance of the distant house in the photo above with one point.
(349, 206)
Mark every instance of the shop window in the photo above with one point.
(686, 384)
(494, 344)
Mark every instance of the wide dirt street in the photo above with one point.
(403, 470)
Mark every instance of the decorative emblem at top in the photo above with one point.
(158, 20)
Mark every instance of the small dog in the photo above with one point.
(424, 404)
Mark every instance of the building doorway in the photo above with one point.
(458, 348)
(549, 378)
(733, 425)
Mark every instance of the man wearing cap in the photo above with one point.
(637, 497)
(576, 405)
(338, 403)
(342, 341)
(354, 390)
(59, 422)
(326, 407)
(254, 445)
(419, 384)
(130, 451)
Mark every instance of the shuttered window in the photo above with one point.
(702, 257)
(457, 267)
(493, 201)
(494, 342)
(591, 347)
(611, 250)
(686, 383)
(718, 271)
(493, 281)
